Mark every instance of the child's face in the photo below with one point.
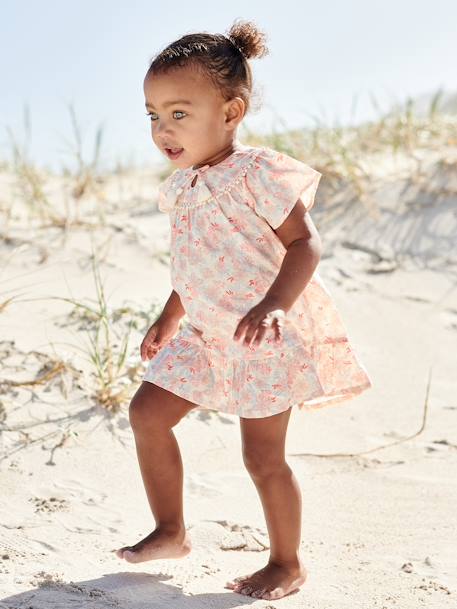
(202, 128)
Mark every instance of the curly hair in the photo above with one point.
(222, 58)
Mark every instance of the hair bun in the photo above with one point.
(248, 38)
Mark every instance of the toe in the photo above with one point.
(275, 594)
(238, 581)
(245, 590)
(130, 556)
(258, 593)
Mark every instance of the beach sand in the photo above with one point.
(378, 527)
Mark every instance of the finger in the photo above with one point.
(146, 346)
(278, 329)
(151, 352)
(241, 327)
(250, 333)
(261, 330)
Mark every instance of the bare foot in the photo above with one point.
(158, 544)
(271, 582)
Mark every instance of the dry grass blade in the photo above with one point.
(50, 370)
(376, 448)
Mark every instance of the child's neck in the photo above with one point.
(220, 156)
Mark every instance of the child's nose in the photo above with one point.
(162, 128)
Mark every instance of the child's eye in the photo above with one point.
(175, 112)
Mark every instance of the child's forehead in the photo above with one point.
(189, 85)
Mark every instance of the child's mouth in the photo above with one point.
(173, 153)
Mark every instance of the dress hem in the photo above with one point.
(315, 403)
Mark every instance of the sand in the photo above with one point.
(378, 527)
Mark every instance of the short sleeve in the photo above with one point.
(276, 182)
(165, 194)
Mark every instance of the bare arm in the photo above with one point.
(304, 247)
(173, 307)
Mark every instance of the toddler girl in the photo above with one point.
(263, 333)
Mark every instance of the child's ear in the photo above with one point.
(234, 112)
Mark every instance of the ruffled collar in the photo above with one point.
(177, 190)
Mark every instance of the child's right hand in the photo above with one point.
(157, 336)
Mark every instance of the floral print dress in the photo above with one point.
(224, 257)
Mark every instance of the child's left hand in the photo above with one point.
(257, 320)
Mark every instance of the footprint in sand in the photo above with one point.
(243, 537)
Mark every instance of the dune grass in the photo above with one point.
(84, 180)
(338, 152)
(114, 365)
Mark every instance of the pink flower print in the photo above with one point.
(183, 379)
(249, 377)
(169, 366)
(260, 239)
(192, 370)
(197, 242)
(250, 295)
(231, 279)
(237, 227)
(214, 226)
(222, 259)
(229, 292)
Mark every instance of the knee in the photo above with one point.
(145, 416)
(262, 465)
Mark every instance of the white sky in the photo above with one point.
(323, 57)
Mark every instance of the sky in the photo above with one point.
(327, 61)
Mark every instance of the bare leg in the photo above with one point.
(153, 412)
(264, 457)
